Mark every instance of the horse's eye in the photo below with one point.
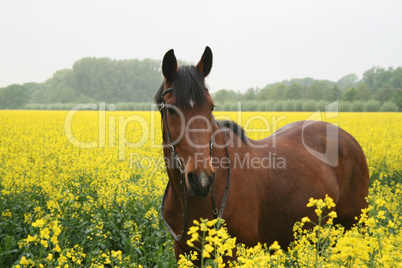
(213, 108)
(171, 111)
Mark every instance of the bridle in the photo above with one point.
(216, 214)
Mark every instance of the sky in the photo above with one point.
(254, 43)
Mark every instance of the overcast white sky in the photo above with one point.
(254, 42)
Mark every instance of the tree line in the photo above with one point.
(378, 84)
(90, 80)
(131, 83)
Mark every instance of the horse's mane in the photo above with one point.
(237, 129)
(188, 85)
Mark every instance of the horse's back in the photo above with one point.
(320, 159)
(339, 153)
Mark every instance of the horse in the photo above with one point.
(211, 162)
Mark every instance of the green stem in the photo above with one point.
(318, 241)
(202, 248)
(379, 245)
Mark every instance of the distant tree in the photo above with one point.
(389, 107)
(349, 94)
(304, 82)
(96, 78)
(345, 106)
(385, 93)
(308, 106)
(35, 91)
(376, 77)
(372, 106)
(357, 106)
(294, 92)
(179, 62)
(333, 94)
(277, 92)
(38, 96)
(348, 81)
(13, 97)
(251, 94)
(32, 87)
(264, 93)
(103, 79)
(224, 95)
(318, 90)
(396, 78)
(397, 98)
(59, 88)
(363, 92)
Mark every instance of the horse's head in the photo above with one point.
(188, 121)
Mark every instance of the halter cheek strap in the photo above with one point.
(180, 166)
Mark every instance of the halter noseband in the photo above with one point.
(180, 166)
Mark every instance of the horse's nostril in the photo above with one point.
(192, 178)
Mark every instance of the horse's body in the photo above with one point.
(271, 180)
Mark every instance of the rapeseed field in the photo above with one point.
(83, 189)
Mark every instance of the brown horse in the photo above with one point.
(261, 186)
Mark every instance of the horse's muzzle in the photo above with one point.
(200, 186)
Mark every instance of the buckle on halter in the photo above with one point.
(162, 106)
(180, 165)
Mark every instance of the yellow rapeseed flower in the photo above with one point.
(311, 202)
(49, 257)
(44, 243)
(57, 248)
(194, 255)
(332, 214)
(219, 260)
(275, 246)
(318, 211)
(45, 233)
(190, 243)
(24, 261)
(39, 223)
(381, 214)
(329, 201)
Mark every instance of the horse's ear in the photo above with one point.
(169, 66)
(205, 64)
